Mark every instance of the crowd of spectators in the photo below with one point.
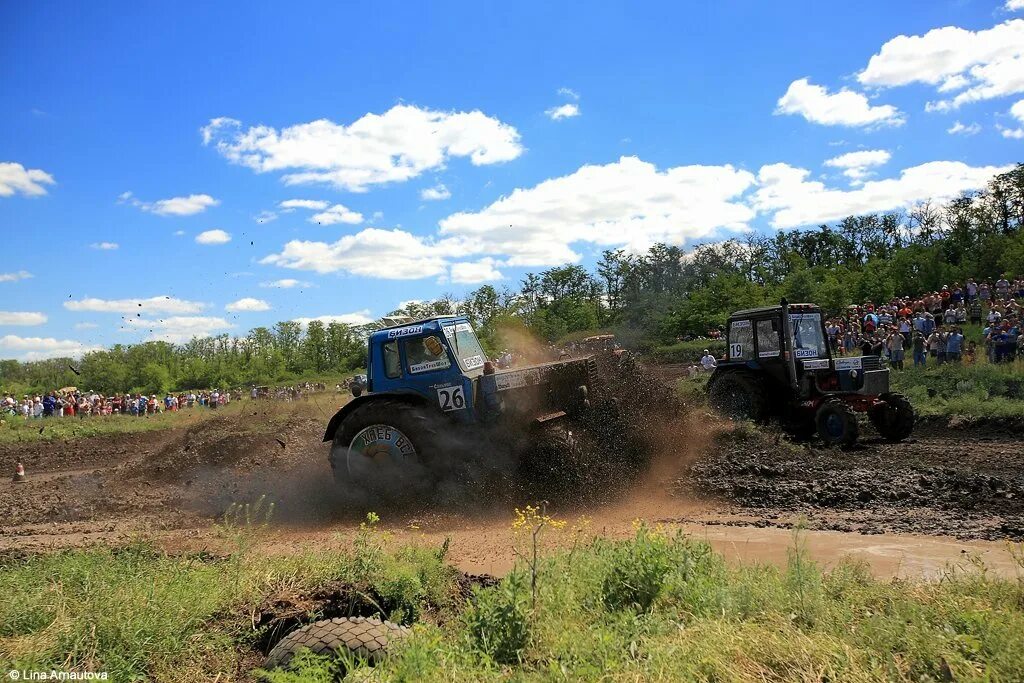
(930, 328)
(73, 403)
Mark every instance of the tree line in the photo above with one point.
(648, 299)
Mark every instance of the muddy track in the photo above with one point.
(967, 483)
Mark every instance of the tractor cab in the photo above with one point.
(789, 344)
(436, 359)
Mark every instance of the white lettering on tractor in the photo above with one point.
(404, 331)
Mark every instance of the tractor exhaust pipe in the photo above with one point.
(787, 345)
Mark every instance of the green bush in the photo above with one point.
(686, 351)
(498, 619)
(637, 571)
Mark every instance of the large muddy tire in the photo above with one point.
(386, 445)
(738, 395)
(894, 419)
(365, 638)
(837, 423)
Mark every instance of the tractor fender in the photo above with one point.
(348, 408)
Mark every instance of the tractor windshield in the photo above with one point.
(808, 337)
(467, 347)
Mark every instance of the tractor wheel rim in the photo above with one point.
(834, 425)
(379, 444)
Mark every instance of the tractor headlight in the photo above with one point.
(853, 374)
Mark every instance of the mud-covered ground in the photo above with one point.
(966, 482)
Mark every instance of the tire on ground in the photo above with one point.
(366, 638)
(420, 424)
(738, 395)
(894, 419)
(837, 423)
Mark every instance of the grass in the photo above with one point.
(17, 429)
(140, 614)
(658, 606)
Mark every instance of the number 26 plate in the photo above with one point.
(451, 398)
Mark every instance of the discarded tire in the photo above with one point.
(366, 638)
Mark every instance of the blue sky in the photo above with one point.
(373, 153)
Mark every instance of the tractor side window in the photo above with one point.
(392, 365)
(741, 340)
(767, 338)
(426, 354)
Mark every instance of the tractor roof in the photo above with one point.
(773, 309)
(405, 321)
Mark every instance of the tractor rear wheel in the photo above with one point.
(385, 445)
(364, 638)
(837, 423)
(894, 418)
(738, 395)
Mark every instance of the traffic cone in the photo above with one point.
(19, 474)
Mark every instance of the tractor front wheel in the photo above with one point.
(837, 423)
(893, 418)
(385, 445)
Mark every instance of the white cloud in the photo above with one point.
(397, 145)
(14, 277)
(564, 111)
(40, 348)
(27, 181)
(569, 92)
(178, 329)
(247, 304)
(86, 326)
(844, 108)
(473, 272)
(437, 193)
(962, 129)
(981, 64)
(627, 202)
(105, 246)
(179, 233)
(785, 191)
(286, 283)
(175, 206)
(21, 318)
(353, 319)
(855, 165)
(311, 204)
(213, 237)
(1014, 5)
(373, 252)
(337, 214)
(154, 304)
(1017, 112)
(265, 217)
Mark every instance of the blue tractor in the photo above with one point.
(431, 398)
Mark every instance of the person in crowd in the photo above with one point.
(954, 344)
(918, 344)
(894, 344)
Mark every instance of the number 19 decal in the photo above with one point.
(451, 398)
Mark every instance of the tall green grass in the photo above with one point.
(658, 606)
